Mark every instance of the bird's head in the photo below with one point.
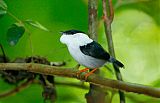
(75, 37)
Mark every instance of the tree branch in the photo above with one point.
(108, 16)
(72, 73)
(107, 24)
(17, 89)
(111, 10)
(92, 18)
(95, 94)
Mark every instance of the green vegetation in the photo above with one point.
(31, 28)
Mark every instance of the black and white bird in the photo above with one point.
(86, 51)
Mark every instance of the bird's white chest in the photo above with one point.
(83, 59)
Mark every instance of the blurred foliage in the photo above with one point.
(36, 24)
(14, 33)
(136, 35)
(3, 8)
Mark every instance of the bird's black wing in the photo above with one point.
(95, 50)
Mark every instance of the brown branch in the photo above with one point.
(107, 24)
(95, 94)
(108, 18)
(17, 89)
(72, 73)
(27, 83)
(92, 18)
(111, 10)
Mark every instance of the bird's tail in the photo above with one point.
(116, 62)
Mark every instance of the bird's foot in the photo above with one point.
(81, 71)
(88, 74)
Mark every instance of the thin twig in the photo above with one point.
(31, 46)
(111, 11)
(3, 52)
(14, 17)
(72, 73)
(20, 21)
(108, 18)
(95, 94)
(30, 42)
(17, 89)
(92, 18)
(107, 24)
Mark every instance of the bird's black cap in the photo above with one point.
(70, 32)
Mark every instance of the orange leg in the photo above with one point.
(83, 70)
(91, 72)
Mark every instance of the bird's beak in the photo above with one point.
(61, 32)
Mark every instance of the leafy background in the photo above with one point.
(136, 35)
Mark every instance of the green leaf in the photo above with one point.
(14, 33)
(3, 5)
(3, 8)
(36, 24)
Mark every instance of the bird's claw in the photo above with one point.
(86, 75)
(81, 71)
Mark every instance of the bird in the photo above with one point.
(86, 51)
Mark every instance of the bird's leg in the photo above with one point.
(91, 72)
(83, 70)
